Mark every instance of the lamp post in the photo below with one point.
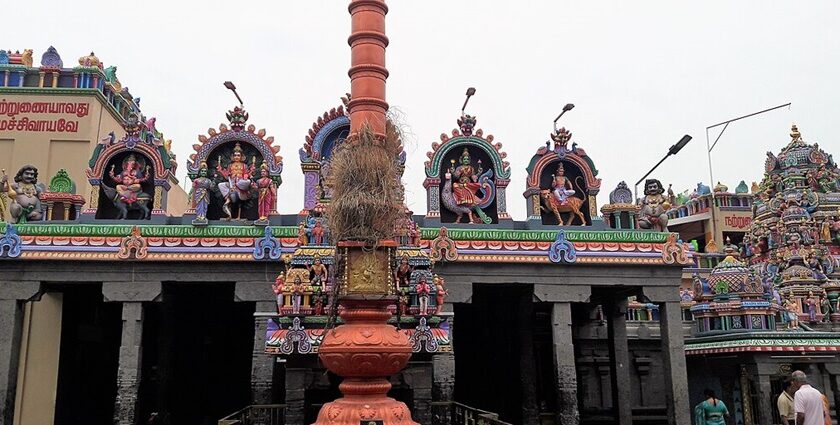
(711, 244)
(673, 150)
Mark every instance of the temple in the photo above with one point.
(126, 300)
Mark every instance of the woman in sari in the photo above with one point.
(710, 411)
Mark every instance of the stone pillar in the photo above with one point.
(765, 400)
(673, 359)
(11, 320)
(128, 374)
(262, 364)
(565, 374)
(12, 296)
(616, 312)
(419, 377)
(132, 295)
(295, 395)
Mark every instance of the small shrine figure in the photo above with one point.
(302, 238)
(812, 307)
(403, 301)
(414, 234)
(202, 186)
(129, 179)
(318, 233)
(791, 310)
(25, 205)
(237, 189)
(686, 295)
(423, 291)
(319, 302)
(403, 273)
(277, 287)
(267, 194)
(319, 273)
(825, 306)
(561, 186)
(297, 295)
(440, 294)
(654, 212)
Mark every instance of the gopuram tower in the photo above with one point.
(365, 349)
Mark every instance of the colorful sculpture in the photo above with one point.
(423, 292)
(466, 177)
(241, 160)
(402, 276)
(127, 194)
(654, 212)
(236, 191)
(440, 293)
(319, 273)
(277, 288)
(561, 181)
(201, 191)
(461, 187)
(266, 194)
(23, 192)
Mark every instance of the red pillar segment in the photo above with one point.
(367, 65)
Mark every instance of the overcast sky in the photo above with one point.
(641, 75)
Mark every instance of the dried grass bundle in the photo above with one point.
(367, 193)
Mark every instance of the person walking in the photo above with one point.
(710, 411)
(807, 401)
(785, 404)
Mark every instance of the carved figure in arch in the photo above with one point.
(654, 212)
(562, 186)
(128, 195)
(462, 183)
(24, 191)
(237, 189)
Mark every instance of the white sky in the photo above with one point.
(641, 74)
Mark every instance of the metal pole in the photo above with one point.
(710, 146)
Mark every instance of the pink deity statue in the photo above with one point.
(440, 295)
(129, 179)
(267, 193)
(423, 291)
(277, 287)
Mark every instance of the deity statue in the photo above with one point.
(277, 287)
(825, 306)
(319, 302)
(318, 233)
(202, 185)
(237, 188)
(561, 186)
(297, 295)
(423, 291)
(301, 234)
(414, 234)
(812, 307)
(267, 191)
(319, 273)
(403, 301)
(791, 309)
(461, 187)
(25, 206)
(440, 295)
(129, 179)
(403, 273)
(654, 212)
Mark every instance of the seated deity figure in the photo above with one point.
(403, 273)
(654, 212)
(237, 188)
(129, 179)
(466, 185)
(562, 186)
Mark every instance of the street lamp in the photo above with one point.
(673, 150)
(229, 85)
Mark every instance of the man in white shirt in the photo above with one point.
(807, 402)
